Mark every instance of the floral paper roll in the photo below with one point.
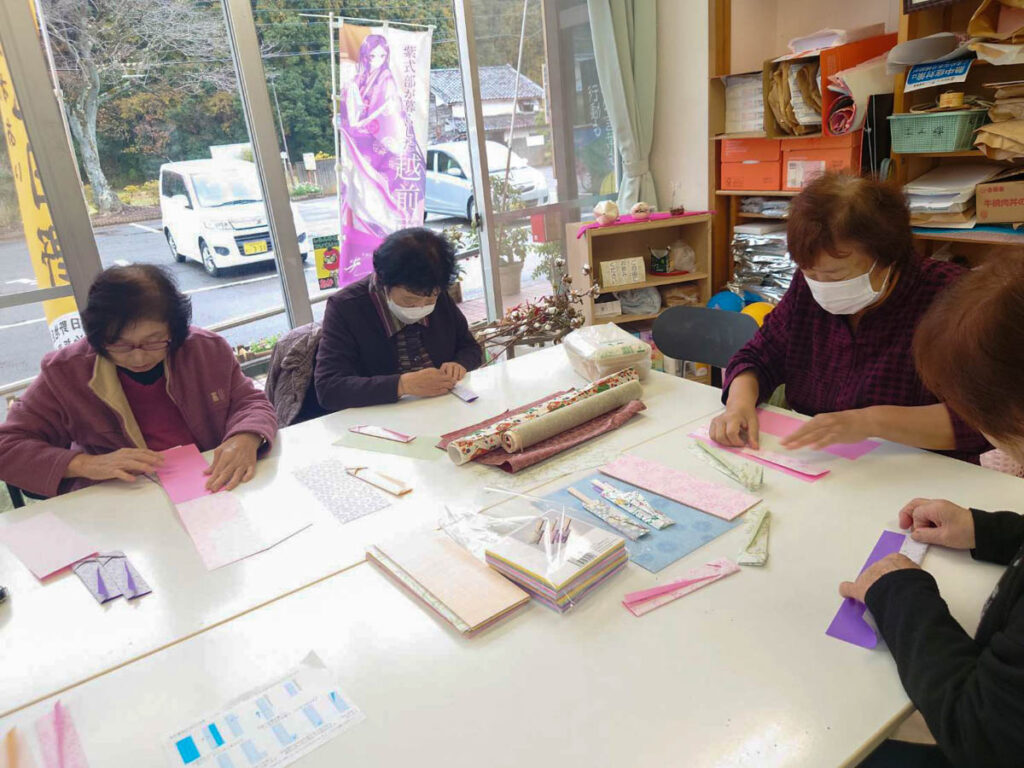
(468, 447)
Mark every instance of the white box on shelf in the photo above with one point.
(608, 308)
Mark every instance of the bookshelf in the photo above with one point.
(743, 34)
(622, 241)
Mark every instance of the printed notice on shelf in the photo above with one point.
(270, 727)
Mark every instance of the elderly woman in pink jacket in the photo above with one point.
(141, 381)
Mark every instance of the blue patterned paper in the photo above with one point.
(693, 528)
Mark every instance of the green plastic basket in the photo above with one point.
(935, 131)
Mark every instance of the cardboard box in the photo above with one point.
(803, 160)
(1000, 202)
(611, 308)
(627, 271)
(745, 150)
(751, 175)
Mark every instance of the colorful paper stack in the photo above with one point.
(558, 559)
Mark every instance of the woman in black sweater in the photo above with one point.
(969, 350)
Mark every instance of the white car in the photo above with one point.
(450, 188)
(212, 211)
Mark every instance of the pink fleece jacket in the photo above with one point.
(76, 405)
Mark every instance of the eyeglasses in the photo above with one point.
(148, 346)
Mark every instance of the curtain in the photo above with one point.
(625, 36)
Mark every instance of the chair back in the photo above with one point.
(702, 335)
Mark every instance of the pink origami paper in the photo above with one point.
(45, 543)
(790, 465)
(58, 740)
(680, 486)
(646, 600)
(780, 425)
(183, 473)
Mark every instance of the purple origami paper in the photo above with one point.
(849, 623)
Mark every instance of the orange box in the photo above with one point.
(742, 150)
(842, 57)
(751, 175)
(803, 160)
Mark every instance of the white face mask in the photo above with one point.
(847, 297)
(410, 315)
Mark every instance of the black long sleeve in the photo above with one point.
(970, 692)
(998, 536)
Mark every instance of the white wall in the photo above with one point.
(679, 152)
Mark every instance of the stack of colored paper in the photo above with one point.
(558, 559)
(448, 580)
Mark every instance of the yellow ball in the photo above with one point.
(758, 310)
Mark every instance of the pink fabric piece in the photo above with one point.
(694, 580)
(780, 425)
(58, 740)
(45, 543)
(763, 459)
(681, 486)
(183, 473)
(627, 219)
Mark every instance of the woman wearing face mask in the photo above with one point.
(840, 339)
(141, 381)
(396, 331)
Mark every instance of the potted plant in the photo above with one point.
(511, 240)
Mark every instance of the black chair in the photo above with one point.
(702, 335)
(17, 498)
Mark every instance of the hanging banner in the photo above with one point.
(383, 101)
(40, 234)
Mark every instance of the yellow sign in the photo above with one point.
(328, 259)
(40, 234)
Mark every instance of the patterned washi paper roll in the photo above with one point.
(468, 447)
(522, 436)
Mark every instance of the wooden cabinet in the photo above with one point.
(601, 244)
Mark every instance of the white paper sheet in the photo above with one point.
(270, 727)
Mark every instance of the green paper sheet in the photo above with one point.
(422, 448)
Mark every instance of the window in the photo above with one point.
(167, 120)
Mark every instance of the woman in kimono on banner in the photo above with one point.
(378, 147)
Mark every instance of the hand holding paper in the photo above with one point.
(935, 521)
(859, 588)
(827, 429)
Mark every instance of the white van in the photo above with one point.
(212, 211)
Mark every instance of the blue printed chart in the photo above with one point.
(270, 727)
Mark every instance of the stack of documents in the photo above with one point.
(944, 197)
(448, 580)
(558, 559)
(744, 104)
(830, 38)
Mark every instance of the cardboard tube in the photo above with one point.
(522, 436)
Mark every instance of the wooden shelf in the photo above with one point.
(763, 135)
(755, 193)
(961, 153)
(654, 281)
(625, 318)
(742, 215)
(972, 236)
(619, 229)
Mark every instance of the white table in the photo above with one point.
(54, 635)
(738, 674)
